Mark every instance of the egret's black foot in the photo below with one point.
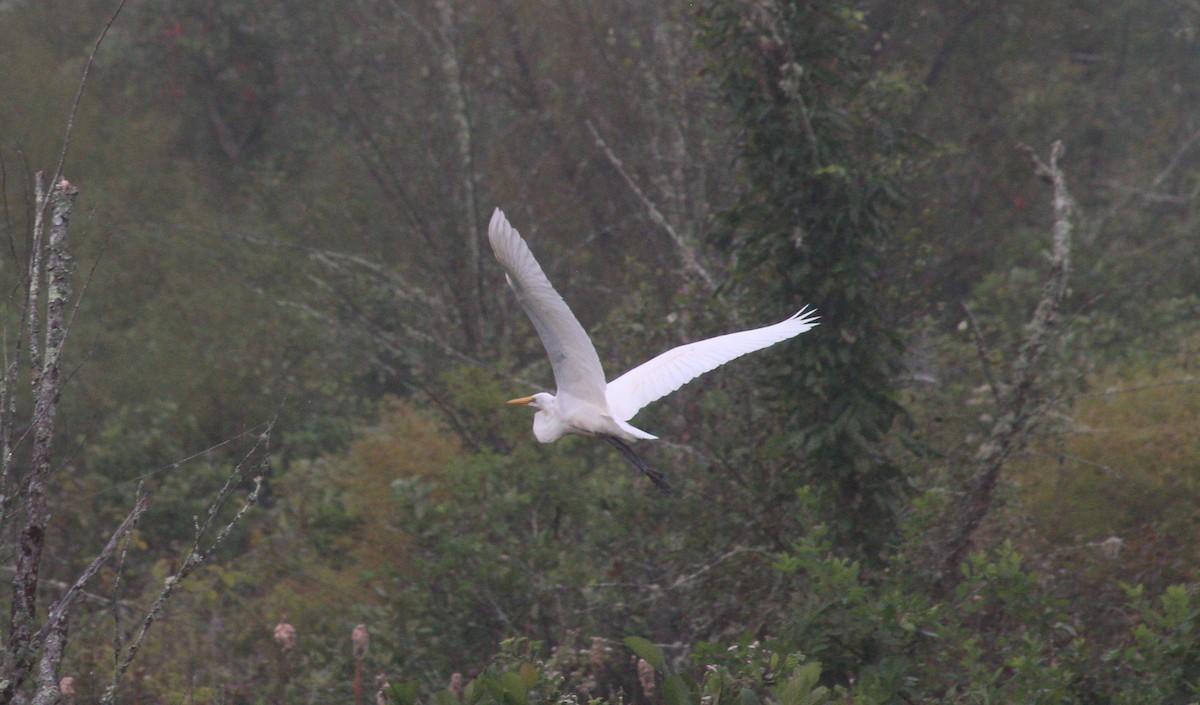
(659, 480)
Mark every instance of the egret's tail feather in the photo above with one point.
(659, 480)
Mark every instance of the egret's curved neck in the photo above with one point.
(548, 425)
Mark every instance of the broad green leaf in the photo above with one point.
(650, 652)
(475, 690)
(675, 690)
(513, 687)
(404, 693)
(802, 688)
(529, 675)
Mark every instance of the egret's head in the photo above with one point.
(548, 425)
(540, 401)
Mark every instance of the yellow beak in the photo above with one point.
(522, 400)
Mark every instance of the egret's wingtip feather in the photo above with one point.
(671, 370)
(498, 221)
(807, 315)
(576, 365)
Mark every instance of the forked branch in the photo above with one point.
(256, 462)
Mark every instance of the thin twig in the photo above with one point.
(1149, 193)
(337, 261)
(685, 580)
(1106, 469)
(196, 555)
(85, 594)
(1140, 388)
(118, 642)
(87, 68)
(981, 350)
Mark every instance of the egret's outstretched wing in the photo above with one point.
(577, 369)
(664, 374)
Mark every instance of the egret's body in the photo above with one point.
(585, 403)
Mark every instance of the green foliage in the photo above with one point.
(749, 674)
(512, 678)
(960, 651)
(752, 676)
(645, 650)
(242, 147)
(1161, 663)
(820, 162)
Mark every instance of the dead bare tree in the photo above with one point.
(1023, 399)
(46, 319)
(34, 646)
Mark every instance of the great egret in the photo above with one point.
(585, 404)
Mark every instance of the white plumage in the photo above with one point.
(584, 403)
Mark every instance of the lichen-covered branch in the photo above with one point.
(52, 637)
(62, 608)
(47, 692)
(20, 648)
(33, 284)
(1022, 401)
(197, 553)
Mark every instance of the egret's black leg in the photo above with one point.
(659, 480)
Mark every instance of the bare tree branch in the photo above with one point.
(52, 637)
(391, 342)
(87, 68)
(20, 649)
(197, 553)
(1149, 193)
(47, 692)
(471, 264)
(61, 609)
(33, 285)
(1112, 391)
(85, 594)
(981, 350)
(1021, 402)
(686, 252)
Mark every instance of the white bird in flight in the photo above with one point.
(585, 404)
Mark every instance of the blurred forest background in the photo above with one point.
(933, 497)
